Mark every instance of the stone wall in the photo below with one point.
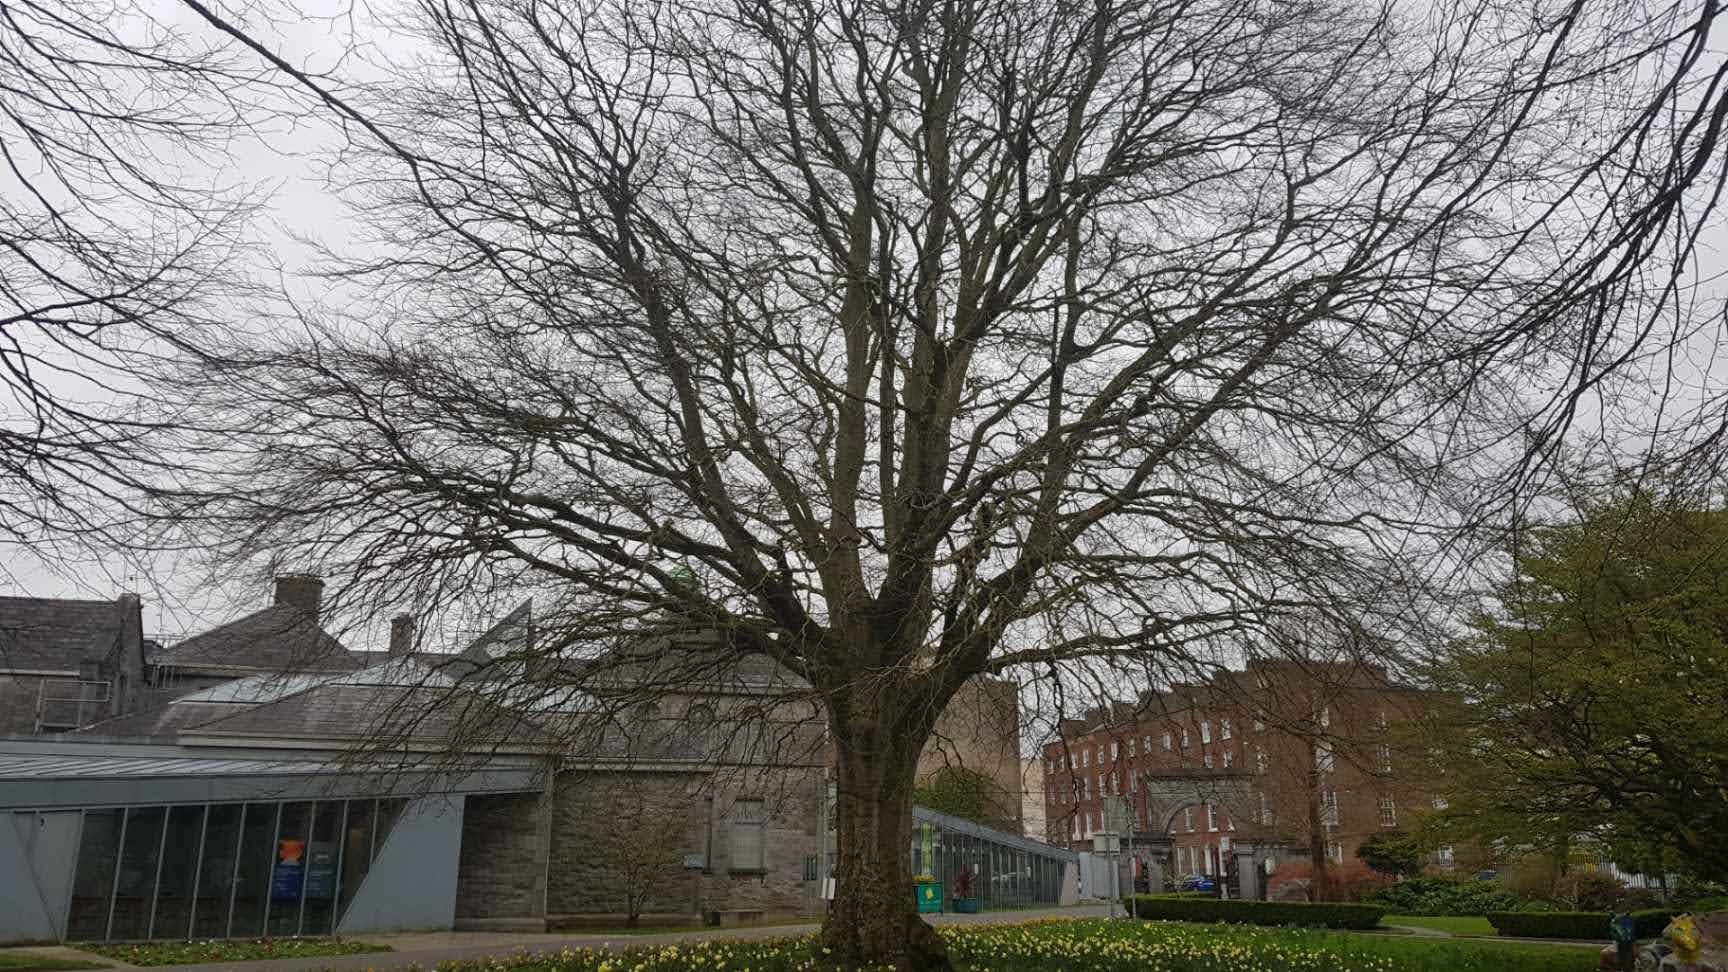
(979, 731)
(612, 831)
(501, 870)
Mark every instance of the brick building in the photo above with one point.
(1308, 752)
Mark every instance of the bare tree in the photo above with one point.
(938, 340)
(113, 248)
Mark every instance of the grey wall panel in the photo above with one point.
(412, 883)
(37, 852)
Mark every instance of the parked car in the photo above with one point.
(1196, 882)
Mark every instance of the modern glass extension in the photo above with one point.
(1007, 870)
(223, 870)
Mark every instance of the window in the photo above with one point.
(1388, 811)
(1085, 759)
(1100, 755)
(1188, 819)
(1184, 737)
(1207, 760)
(1224, 729)
(1115, 752)
(1383, 755)
(1131, 753)
(1335, 851)
(1445, 856)
(1148, 749)
(1166, 742)
(1323, 760)
(1259, 760)
(1071, 761)
(1440, 803)
(1259, 726)
(749, 845)
(1086, 788)
(1229, 759)
(1326, 717)
(1266, 818)
(1205, 730)
(1211, 818)
(93, 877)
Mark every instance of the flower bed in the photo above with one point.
(1320, 915)
(1086, 946)
(230, 950)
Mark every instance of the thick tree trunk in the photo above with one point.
(873, 919)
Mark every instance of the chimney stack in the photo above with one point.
(304, 591)
(401, 635)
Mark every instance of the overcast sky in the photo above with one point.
(351, 40)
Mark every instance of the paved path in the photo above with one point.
(427, 950)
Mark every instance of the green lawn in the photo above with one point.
(1057, 945)
(17, 960)
(1472, 925)
(193, 953)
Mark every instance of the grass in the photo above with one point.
(17, 960)
(1058, 945)
(193, 953)
(1471, 925)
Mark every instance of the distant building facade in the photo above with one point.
(1301, 757)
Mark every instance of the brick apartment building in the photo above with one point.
(1309, 751)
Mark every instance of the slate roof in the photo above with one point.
(280, 638)
(380, 714)
(50, 634)
(161, 724)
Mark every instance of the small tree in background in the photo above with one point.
(1392, 852)
(1588, 703)
(960, 792)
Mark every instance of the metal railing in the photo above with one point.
(69, 703)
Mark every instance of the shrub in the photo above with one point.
(1584, 925)
(1445, 897)
(1350, 881)
(1693, 894)
(1589, 891)
(1325, 915)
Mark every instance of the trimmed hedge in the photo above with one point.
(1209, 909)
(1445, 897)
(1591, 926)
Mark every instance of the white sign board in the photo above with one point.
(1104, 842)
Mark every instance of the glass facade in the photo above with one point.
(223, 870)
(1007, 872)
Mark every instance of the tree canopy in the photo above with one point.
(1589, 703)
(948, 339)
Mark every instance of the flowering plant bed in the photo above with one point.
(1085, 946)
(230, 950)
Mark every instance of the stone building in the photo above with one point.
(1281, 754)
(68, 663)
(480, 787)
(980, 732)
